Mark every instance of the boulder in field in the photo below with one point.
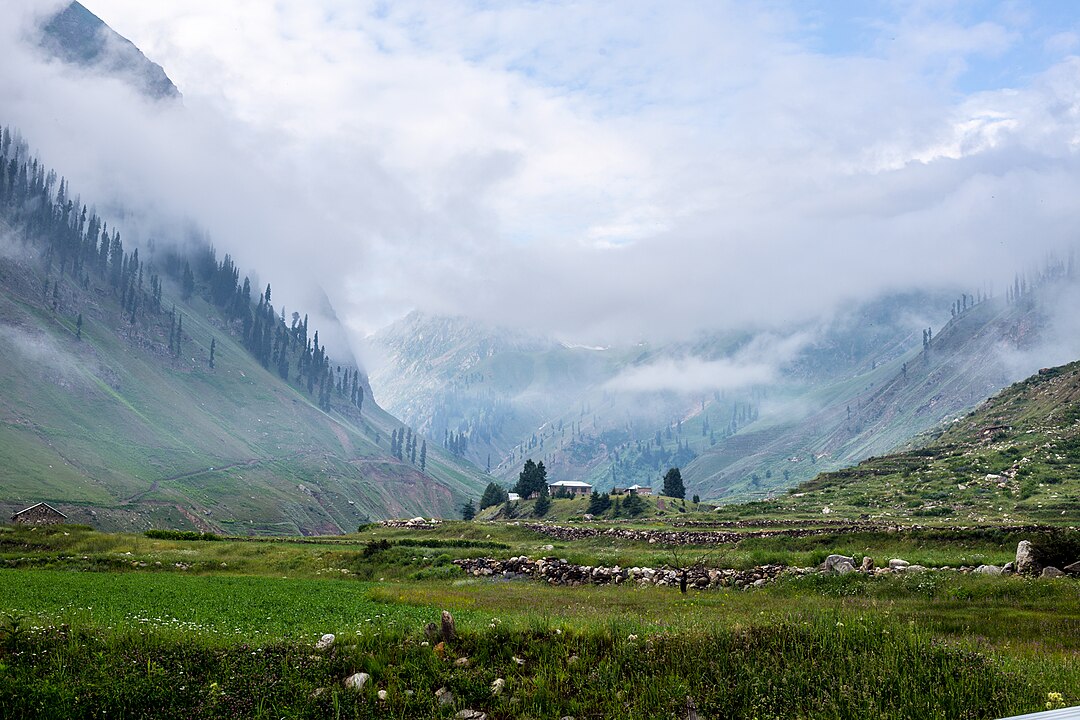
(833, 560)
(1025, 559)
(898, 564)
(987, 570)
(356, 681)
(1051, 572)
(325, 641)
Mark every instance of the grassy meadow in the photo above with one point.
(121, 625)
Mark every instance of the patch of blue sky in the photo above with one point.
(1022, 38)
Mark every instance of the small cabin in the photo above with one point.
(635, 489)
(573, 488)
(40, 514)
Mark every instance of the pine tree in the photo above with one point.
(78, 327)
(543, 504)
(213, 347)
(494, 494)
(673, 483)
(423, 456)
(468, 511)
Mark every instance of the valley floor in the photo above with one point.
(127, 625)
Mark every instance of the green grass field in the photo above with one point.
(110, 625)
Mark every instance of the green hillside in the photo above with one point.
(1014, 459)
(119, 425)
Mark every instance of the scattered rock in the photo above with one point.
(1073, 569)
(431, 631)
(1009, 568)
(1051, 572)
(497, 686)
(449, 632)
(444, 696)
(471, 715)
(325, 641)
(987, 570)
(833, 561)
(867, 564)
(573, 660)
(1025, 559)
(587, 517)
(461, 662)
(915, 568)
(898, 564)
(843, 568)
(357, 681)
(383, 695)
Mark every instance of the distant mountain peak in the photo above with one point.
(79, 37)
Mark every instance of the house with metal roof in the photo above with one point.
(569, 487)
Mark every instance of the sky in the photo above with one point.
(598, 171)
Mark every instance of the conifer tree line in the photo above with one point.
(77, 244)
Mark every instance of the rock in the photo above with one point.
(1051, 572)
(867, 564)
(1009, 568)
(444, 696)
(1073, 569)
(462, 662)
(325, 641)
(431, 631)
(573, 660)
(915, 568)
(471, 715)
(833, 560)
(843, 568)
(1025, 559)
(987, 570)
(898, 564)
(497, 686)
(449, 632)
(761, 583)
(587, 517)
(357, 681)
(383, 695)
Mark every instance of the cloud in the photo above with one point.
(600, 171)
(758, 362)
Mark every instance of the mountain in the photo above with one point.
(1014, 459)
(150, 387)
(862, 384)
(77, 36)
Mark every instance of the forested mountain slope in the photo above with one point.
(152, 387)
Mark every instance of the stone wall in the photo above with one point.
(556, 571)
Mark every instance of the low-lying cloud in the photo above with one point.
(603, 172)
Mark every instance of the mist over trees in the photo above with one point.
(82, 253)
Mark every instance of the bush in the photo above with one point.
(181, 535)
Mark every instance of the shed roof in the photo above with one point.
(25, 510)
(569, 483)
